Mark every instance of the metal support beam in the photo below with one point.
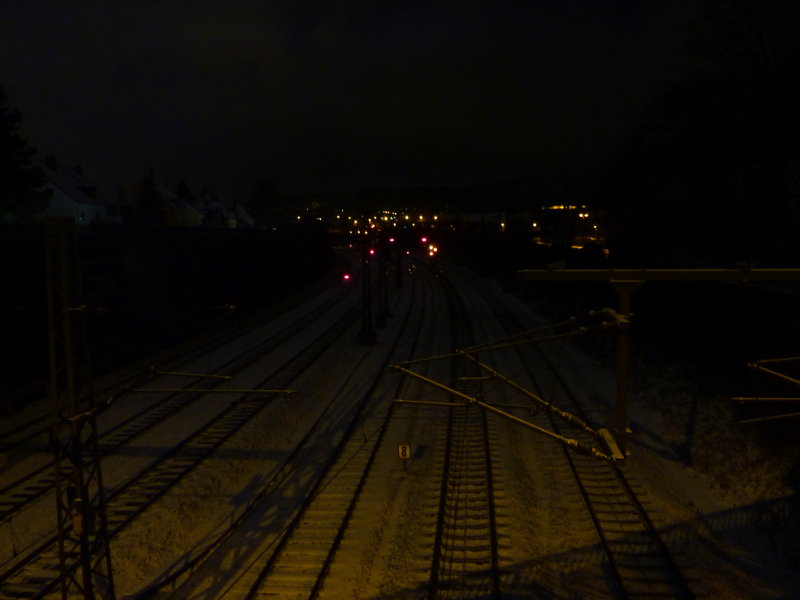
(189, 374)
(384, 312)
(744, 399)
(771, 418)
(549, 406)
(398, 266)
(743, 274)
(213, 390)
(84, 557)
(367, 334)
(569, 442)
(625, 282)
(624, 291)
(758, 366)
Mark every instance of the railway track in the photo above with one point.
(275, 549)
(466, 559)
(33, 572)
(295, 563)
(468, 526)
(639, 562)
(301, 559)
(16, 494)
(111, 388)
(22, 434)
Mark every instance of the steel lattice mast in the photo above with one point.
(84, 557)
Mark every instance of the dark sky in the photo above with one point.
(332, 95)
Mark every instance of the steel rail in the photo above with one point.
(179, 355)
(467, 498)
(307, 579)
(16, 495)
(37, 586)
(664, 581)
(746, 274)
(195, 564)
(14, 438)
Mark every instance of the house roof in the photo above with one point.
(71, 182)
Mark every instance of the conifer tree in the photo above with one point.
(21, 181)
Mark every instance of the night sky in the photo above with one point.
(322, 96)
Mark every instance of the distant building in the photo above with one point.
(182, 209)
(224, 212)
(74, 196)
(179, 211)
(568, 226)
(484, 222)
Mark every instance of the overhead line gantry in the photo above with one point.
(625, 282)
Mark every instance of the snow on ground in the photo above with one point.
(710, 486)
(709, 481)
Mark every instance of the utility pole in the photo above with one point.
(384, 311)
(398, 265)
(367, 334)
(625, 282)
(83, 550)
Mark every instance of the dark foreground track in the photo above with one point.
(303, 523)
(639, 562)
(466, 547)
(35, 572)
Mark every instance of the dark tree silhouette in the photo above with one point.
(265, 203)
(712, 177)
(21, 193)
(183, 191)
(149, 212)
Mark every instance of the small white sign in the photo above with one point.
(404, 451)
